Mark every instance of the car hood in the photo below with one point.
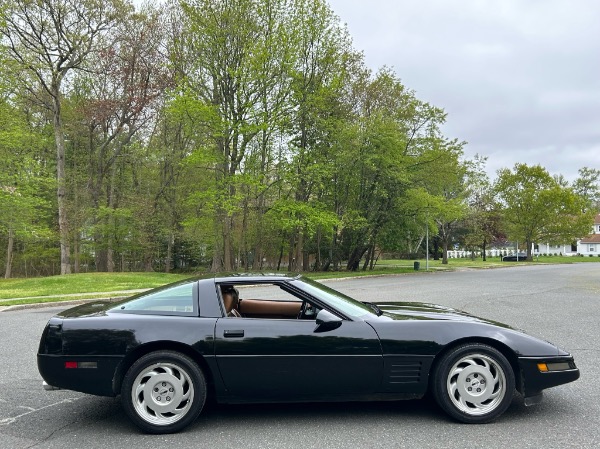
(424, 311)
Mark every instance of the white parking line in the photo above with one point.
(7, 421)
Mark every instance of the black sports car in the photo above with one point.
(520, 257)
(283, 338)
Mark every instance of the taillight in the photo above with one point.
(84, 365)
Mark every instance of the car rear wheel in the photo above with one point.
(474, 383)
(163, 392)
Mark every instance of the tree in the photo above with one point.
(222, 44)
(376, 162)
(318, 77)
(588, 186)
(537, 208)
(440, 170)
(482, 225)
(48, 39)
(120, 100)
(23, 179)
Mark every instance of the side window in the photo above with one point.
(267, 301)
(178, 300)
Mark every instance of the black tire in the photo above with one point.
(474, 383)
(163, 392)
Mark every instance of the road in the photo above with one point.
(560, 303)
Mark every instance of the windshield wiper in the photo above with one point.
(377, 310)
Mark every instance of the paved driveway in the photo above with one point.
(559, 303)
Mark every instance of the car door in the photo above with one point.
(263, 359)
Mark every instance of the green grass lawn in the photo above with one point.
(79, 284)
(102, 285)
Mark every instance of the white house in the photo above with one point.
(585, 246)
(590, 245)
(562, 250)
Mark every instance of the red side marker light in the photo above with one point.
(69, 365)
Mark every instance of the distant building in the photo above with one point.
(563, 250)
(590, 245)
(587, 246)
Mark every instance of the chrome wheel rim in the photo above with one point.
(476, 384)
(162, 393)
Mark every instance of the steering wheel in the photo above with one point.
(307, 311)
(302, 311)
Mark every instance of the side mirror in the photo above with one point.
(327, 321)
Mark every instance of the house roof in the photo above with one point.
(594, 238)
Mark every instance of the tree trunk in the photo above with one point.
(169, 257)
(436, 248)
(110, 259)
(370, 257)
(355, 257)
(300, 259)
(100, 257)
(291, 258)
(445, 253)
(218, 225)
(227, 228)
(63, 222)
(318, 255)
(280, 254)
(332, 253)
(9, 253)
(148, 263)
(305, 261)
(76, 255)
(112, 206)
(374, 259)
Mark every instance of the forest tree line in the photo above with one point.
(235, 135)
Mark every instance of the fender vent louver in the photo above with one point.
(404, 372)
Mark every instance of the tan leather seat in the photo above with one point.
(231, 301)
(257, 308)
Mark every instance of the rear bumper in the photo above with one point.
(97, 380)
(533, 381)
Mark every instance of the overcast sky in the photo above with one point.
(519, 79)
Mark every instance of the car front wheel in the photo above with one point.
(474, 383)
(163, 392)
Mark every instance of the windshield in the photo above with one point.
(345, 304)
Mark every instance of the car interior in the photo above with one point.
(265, 301)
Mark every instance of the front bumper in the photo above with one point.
(533, 380)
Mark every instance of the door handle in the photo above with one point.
(233, 333)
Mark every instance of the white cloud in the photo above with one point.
(519, 78)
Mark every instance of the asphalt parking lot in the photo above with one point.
(560, 303)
